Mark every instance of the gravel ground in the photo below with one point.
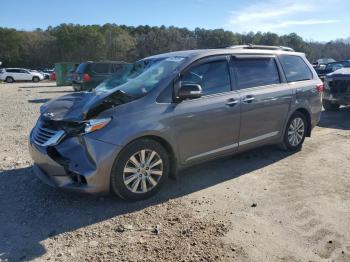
(263, 205)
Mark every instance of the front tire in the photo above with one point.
(140, 170)
(329, 106)
(36, 79)
(295, 132)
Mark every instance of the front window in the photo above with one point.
(213, 77)
(141, 77)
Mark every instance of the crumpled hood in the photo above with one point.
(72, 107)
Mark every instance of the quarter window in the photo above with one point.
(295, 68)
(116, 67)
(213, 77)
(13, 70)
(252, 72)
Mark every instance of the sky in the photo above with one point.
(312, 19)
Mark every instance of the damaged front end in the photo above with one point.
(337, 87)
(64, 154)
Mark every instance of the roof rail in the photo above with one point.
(265, 47)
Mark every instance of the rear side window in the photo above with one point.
(13, 70)
(81, 68)
(252, 72)
(116, 67)
(213, 77)
(101, 68)
(295, 68)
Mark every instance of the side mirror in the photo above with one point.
(190, 91)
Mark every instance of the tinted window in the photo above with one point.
(116, 67)
(333, 67)
(12, 70)
(253, 72)
(213, 77)
(101, 68)
(81, 68)
(295, 68)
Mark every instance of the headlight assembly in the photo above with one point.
(96, 124)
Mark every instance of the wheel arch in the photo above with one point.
(307, 116)
(167, 146)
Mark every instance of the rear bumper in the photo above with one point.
(338, 91)
(82, 165)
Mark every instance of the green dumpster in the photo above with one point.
(62, 70)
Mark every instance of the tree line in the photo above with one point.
(77, 43)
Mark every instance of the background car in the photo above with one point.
(90, 74)
(320, 65)
(337, 89)
(11, 75)
(334, 66)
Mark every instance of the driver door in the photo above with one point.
(25, 75)
(208, 126)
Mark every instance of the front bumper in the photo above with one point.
(77, 163)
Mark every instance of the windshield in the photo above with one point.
(335, 66)
(141, 77)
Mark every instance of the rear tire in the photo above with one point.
(36, 79)
(329, 106)
(295, 132)
(9, 79)
(140, 170)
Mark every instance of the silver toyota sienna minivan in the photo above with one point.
(169, 111)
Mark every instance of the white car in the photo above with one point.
(10, 75)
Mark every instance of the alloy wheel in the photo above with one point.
(296, 131)
(143, 171)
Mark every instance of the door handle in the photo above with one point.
(232, 102)
(270, 99)
(248, 99)
(299, 90)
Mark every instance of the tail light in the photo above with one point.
(320, 88)
(86, 77)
